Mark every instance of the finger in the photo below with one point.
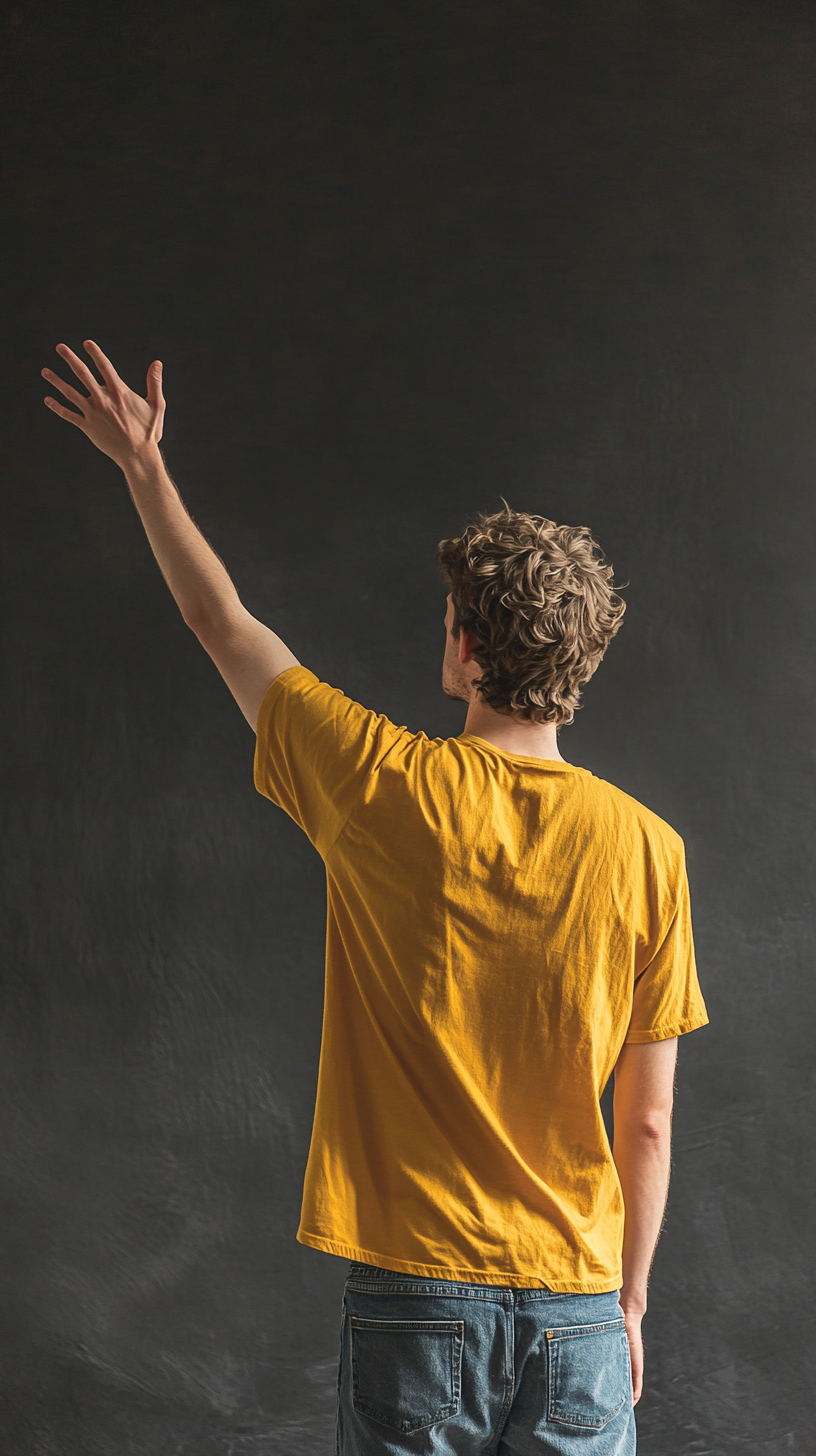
(66, 414)
(80, 370)
(66, 389)
(637, 1377)
(155, 398)
(102, 362)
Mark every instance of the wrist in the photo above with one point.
(633, 1303)
(142, 462)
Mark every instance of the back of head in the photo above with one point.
(538, 599)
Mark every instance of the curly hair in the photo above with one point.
(539, 601)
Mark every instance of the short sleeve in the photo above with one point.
(667, 997)
(315, 751)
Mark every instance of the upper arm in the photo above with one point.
(249, 656)
(644, 1082)
(318, 752)
(666, 1000)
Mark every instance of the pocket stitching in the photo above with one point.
(454, 1328)
(554, 1339)
(574, 1332)
(444, 1327)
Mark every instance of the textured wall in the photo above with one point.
(398, 259)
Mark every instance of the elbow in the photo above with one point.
(213, 622)
(197, 620)
(650, 1129)
(653, 1131)
(656, 1130)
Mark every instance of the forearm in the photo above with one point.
(197, 578)
(643, 1158)
(247, 654)
(128, 429)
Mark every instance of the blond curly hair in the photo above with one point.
(538, 598)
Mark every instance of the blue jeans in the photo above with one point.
(446, 1369)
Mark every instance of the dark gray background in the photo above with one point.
(399, 259)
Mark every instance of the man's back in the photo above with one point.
(498, 926)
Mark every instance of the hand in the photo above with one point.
(120, 423)
(634, 1335)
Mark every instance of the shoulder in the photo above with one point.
(635, 820)
(313, 716)
(301, 692)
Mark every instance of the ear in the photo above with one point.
(467, 647)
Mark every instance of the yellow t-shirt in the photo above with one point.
(498, 926)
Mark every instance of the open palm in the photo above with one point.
(118, 421)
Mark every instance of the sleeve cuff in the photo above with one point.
(666, 1031)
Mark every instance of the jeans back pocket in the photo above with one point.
(590, 1375)
(406, 1374)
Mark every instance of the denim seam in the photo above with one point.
(509, 1378)
(448, 1291)
(396, 1283)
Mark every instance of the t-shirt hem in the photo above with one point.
(498, 1277)
(666, 1031)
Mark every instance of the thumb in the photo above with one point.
(155, 398)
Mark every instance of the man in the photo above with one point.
(504, 931)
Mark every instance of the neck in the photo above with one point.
(513, 735)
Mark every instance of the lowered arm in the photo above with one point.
(644, 1095)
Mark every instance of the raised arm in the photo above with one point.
(128, 429)
(644, 1094)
